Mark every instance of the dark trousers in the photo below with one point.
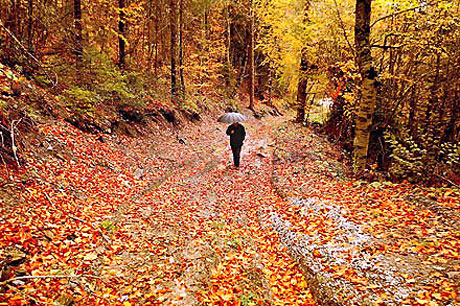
(236, 149)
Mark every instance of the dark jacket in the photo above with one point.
(236, 139)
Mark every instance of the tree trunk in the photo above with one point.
(368, 90)
(204, 46)
(270, 86)
(412, 113)
(303, 77)
(14, 18)
(173, 28)
(312, 100)
(181, 47)
(78, 34)
(149, 36)
(228, 45)
(251, 56)
(453, 128)
(30, 25)
(157, 20)
(121, 36)
(244, 64)
(433, 100)
(302, 87)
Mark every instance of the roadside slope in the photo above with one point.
(364, 243)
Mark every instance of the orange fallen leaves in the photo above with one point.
(95, 195)
(400, 227)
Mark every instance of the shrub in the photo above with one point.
(407, 158)
(422, 160)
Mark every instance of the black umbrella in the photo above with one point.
(232, 118)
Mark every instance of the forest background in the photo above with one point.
(109, 62)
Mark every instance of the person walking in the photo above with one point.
(237, 134)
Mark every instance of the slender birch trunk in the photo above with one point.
(368, 90)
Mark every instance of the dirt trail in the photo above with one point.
(167, 220)
(163, 220)
(206, 220)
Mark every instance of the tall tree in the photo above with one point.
(173, 30)
(303, 73)
(228, 45)
(368, 89)
(251, 55)
(181, 48)
(302, 86)
(78, 35)
(14, 21)
(30, 9)
(121, 36)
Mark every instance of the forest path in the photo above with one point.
(205, 218)
(165, 219)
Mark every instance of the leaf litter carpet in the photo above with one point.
(108, 220)
(363, 243)
(166, 220)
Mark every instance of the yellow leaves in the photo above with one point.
(379, 302)
(302, 284)
(225, 296)
(437, 296)
(426, 302)
(410, 281)
(218, 297)
(374, 286)
(90, 256)
(316, 253)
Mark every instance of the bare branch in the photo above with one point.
(448, 181)
(13, 144)
(403, 11)
(55, 82)
(6, 168)
(387, 47)
(47, 276)
(78, 219)
(342, 26)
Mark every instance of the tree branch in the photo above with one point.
(387, 47)
(342, 26)
(55, 82)
(47, 276)
(78, 219)
(402, 12)
(13, 144)
(447, 180)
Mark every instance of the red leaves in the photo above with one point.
(397, 227)
(194, 229)
(57, 220)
